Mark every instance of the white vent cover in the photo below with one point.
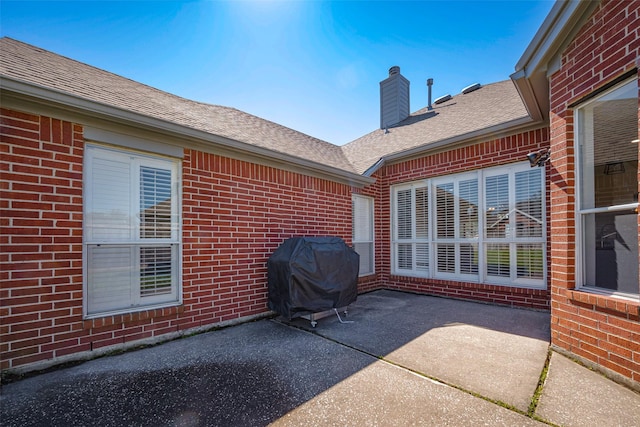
(471, 88)
(442, 99)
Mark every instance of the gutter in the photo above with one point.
(539, 59)
(75, 104)
(377, 165)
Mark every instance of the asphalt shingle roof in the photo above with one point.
(489, 106)
(34, 65)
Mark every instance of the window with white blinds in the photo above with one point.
(131, 231)
(363, 235)
(411, 225)
(487, 226)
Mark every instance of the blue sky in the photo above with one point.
(310, 65)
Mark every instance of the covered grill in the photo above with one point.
(309, 275)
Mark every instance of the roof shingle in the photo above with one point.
(37, 66)
(491, 105)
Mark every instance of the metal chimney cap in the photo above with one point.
(394, 70)
(429, 82)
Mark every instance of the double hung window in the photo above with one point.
(131, 231)
(607, 213)
(486, 226)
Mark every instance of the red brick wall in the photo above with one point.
(41, 238)
(602, 330)
(235, 214)
(487, 154)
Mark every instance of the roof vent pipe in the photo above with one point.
(429, 84)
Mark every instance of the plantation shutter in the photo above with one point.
(529, 203)
(445, 227)
(405, 210)
(468, 217)
(404, 229)
(468, 226)
(445, 211)
(422, 228)
(497, 225)
(496, 195)
(422, 212)
(529, 223)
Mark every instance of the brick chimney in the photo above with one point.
(394, 98)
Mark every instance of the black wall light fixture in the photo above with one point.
(539, 158)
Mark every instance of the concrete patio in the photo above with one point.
(405, 360)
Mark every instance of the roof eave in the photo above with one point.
(532, 70)
(471, 137)
(373, 168)
(76, 104)
(532, 92)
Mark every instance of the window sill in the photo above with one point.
(470, 280)
(102, 320)
(612, 305)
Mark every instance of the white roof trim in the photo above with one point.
(530, 76)
(471, 137)
(77, 104)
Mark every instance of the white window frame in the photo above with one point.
(581, 213)
(413, 243)
(457, 240)
(363, 231)
(415, 246)
(513, 240)
(129, 243)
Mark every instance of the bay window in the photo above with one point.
(607, 212)
(131, 231)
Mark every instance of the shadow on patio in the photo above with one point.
(268, 372)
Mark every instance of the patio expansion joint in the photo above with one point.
(535, 399)
(530, 413)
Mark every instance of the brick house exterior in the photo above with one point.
(509, 149)
(599, 328)
(235, 214)
(456, 209)
(583, 51)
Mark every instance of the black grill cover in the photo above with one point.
(312, 274)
